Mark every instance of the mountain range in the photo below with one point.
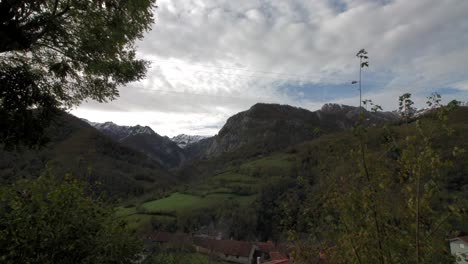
(111, 168)
(266, 127)
(130, 160)
(144, 139)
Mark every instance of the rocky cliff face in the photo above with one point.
(268, 127)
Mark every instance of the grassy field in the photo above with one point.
(246, 178)
(167, 209)
(240, 184)
(179, 202)
(275, 165)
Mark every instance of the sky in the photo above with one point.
(211, 59)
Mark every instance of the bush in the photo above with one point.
(48, 220)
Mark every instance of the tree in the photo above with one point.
(405, 106)
(51, 220)
(57, 53)
(363, 62)
(392, 208)
(374, 107)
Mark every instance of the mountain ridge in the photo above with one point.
(77, 148)
(145, 140)
(273, 126)
(183, 140)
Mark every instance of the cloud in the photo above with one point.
(213, 58)
(463, 85)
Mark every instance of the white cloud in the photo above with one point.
(198, 48)
(463, 85)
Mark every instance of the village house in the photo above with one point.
(242, 251)
(268, 251)
(459, 249)
(276, 258)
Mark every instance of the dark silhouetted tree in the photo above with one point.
(57, 53)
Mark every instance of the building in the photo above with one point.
(459, 249)
(276, 258)
(266, 252)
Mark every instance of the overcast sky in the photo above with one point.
(214, 58)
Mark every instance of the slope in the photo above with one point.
(77, 148)
(268, 127)
(145, 140)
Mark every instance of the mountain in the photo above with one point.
(302, 174)
(145, 140)
(159, 148)
(119, 133)
(183, 140)
(268, 127)
(75, 147)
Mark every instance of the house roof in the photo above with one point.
(275, 255)
(266, 247)
(462, 238)
(228, 247)
(278, 261)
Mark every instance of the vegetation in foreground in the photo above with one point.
(394, 198)
(53, 220)
(323, 183)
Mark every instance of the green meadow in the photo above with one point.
(167, 209)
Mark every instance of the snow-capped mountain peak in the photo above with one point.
(120, 132)
(183, 140)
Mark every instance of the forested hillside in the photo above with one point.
(292, 186)
(77, 148)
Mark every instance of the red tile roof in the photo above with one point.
(279, 261)
(266, 247)
(227, 247)
(462, 238)
(275, 255)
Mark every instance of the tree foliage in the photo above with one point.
(405, 106)
(49, 220)
(60, 52)
(391, 207)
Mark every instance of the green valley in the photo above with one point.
(245, 132)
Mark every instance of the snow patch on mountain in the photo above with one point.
(120, 132)
(183, 140)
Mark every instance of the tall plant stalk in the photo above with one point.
(363, 62)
